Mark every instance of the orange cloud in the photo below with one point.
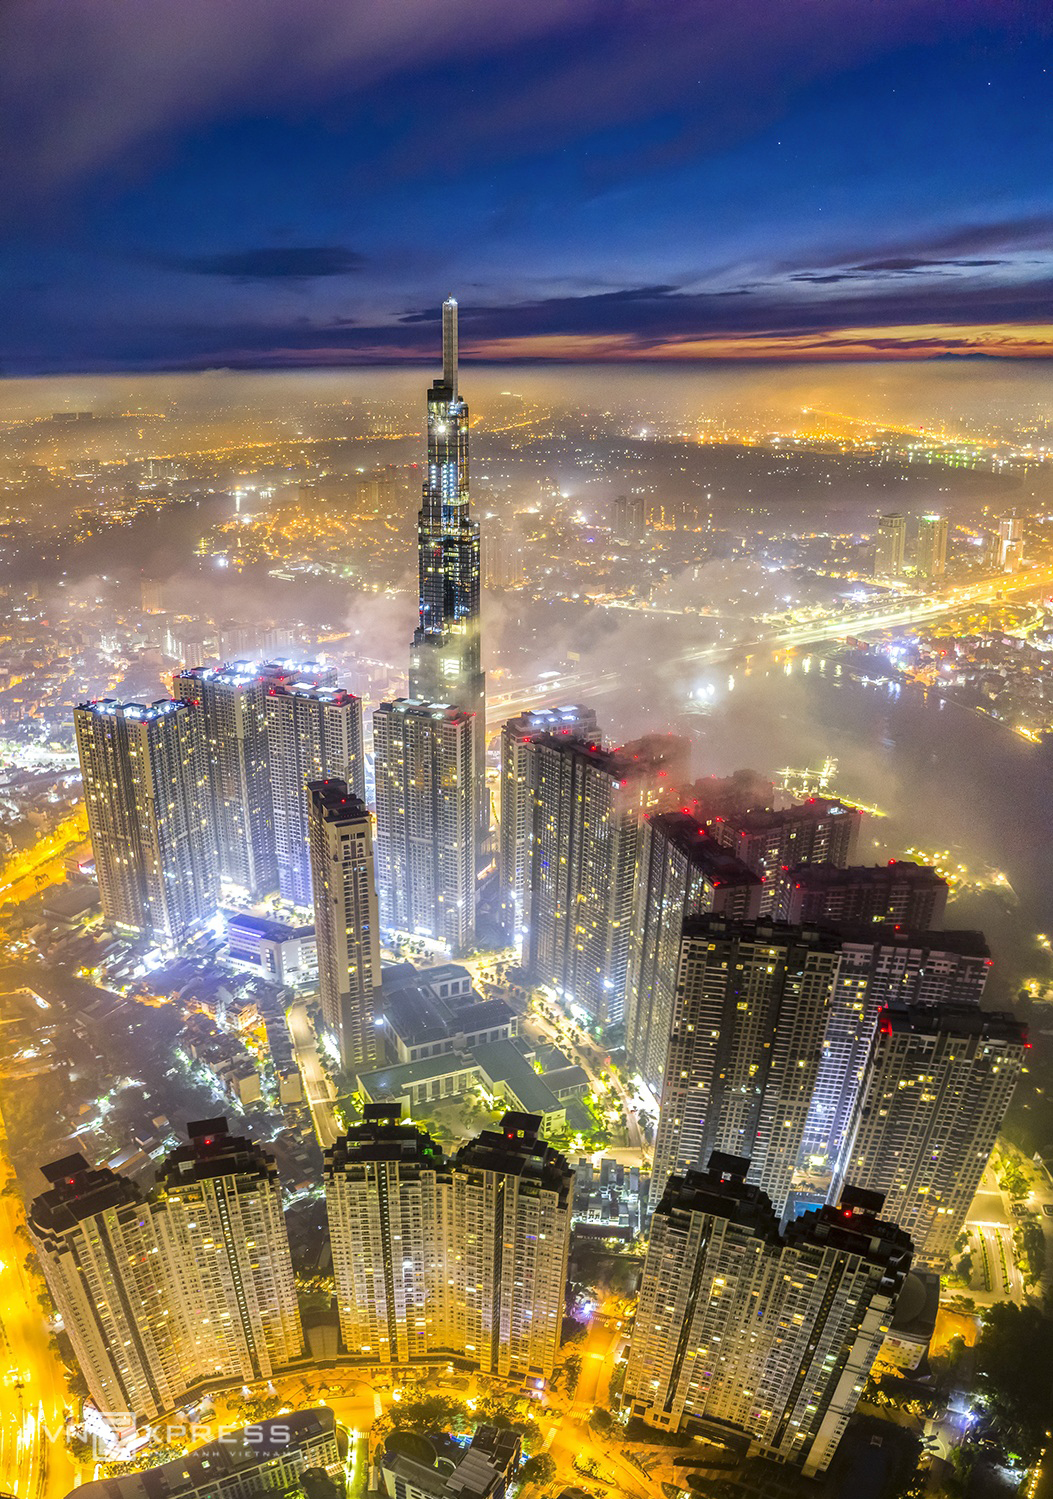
(906, 341)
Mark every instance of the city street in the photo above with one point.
(317, 1088)
(34, 1462)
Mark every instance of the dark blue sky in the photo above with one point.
(190, 183)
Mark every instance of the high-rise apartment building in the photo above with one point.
(509, 1223)
(900, 892)
(880, 967)
(751, 1011)
(446, 655)
(587, 808)
(680, 871)
(464, 1256)
(223, 1234)
(743, 1330)
(162, 1294)
(387, 1195)
(231, 723)
(890, 549)
(346, 919)
(821, 830)
(426, 827)
(516, 820)
(314, 734)
(96, 1239)
(629, 517)
(932, 547)
(935, 1090)
(145, 781)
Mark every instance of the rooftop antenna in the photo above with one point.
(449, 343)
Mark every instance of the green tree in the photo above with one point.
(1014, 1375)
(538, 1470)
(572, 1373)
(601, 1421)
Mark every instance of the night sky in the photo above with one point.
(264, 183)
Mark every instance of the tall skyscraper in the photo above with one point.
(751, 1012)
(464, 1256)
(1010, 543)
(890, 554)
(314, 734)
(386, 1191)
(231, 722)
(820, 830)
(426, 845)
(223, 1234)
(879, 967)
(935, 1090)
(629, 517)
(95, 1236)
(516, 822)
(587, 807)
(741, 1329)
(509, 1223)
(162, 1294)
(445, 659)
(932, 547)
(346, 919)
(680, 872)
(905, 894)
(145, 776)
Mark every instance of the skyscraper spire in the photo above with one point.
(445, 665)
(449, 343)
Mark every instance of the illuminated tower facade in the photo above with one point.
(145, 789)
(231, 723)
(96, 1238)
(445, 658)
(426, 846)
(386, 1192)
(936, 1086)
(516, 822)
(931, 559)
(743, 1329)
(315, 734)
(224, 1238)
(680, 871)
(346, 918)
(890, 548)
(750, 1015)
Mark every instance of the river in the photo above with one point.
(948, 778)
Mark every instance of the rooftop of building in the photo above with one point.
(137, 712)
(917, 1306)
(761, 820)
(422, 709)
(383, 1135)
(562, 720)
(336, 802)
(213, 1151)
(720, 865)
(955, 1020)
(761, 931)
(516, 1149)
(825, 875)
(503, 1062)
(854, 1227)
(79, 1191)
(723, 1192)
(207, 1466)
(268, 926)
(962, 944)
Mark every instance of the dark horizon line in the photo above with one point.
(422, 361)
